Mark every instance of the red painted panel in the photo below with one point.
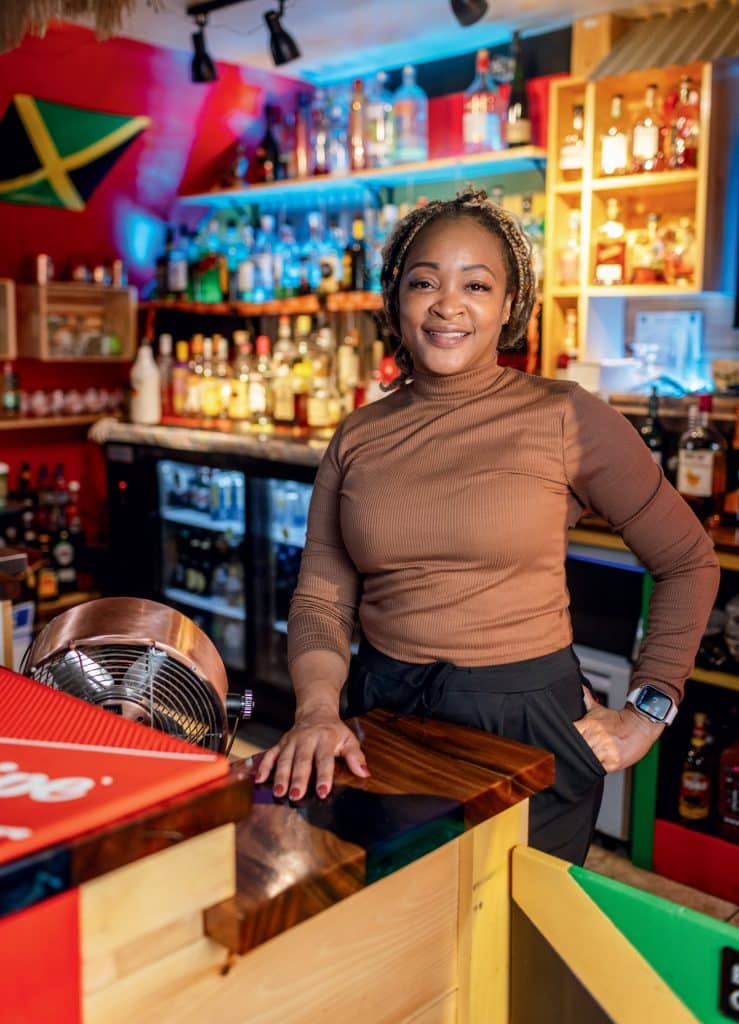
(40, 956)
(705, 862)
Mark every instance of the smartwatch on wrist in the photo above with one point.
(654, 703)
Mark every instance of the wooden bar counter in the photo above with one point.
(388, 901)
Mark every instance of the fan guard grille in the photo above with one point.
(141, 682)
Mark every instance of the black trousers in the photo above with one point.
(534, 701)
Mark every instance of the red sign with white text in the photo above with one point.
(67, 767)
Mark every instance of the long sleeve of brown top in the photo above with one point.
(440, 514)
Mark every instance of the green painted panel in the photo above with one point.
(40, 194)
(73, 128)
(682, 946)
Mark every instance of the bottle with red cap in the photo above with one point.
(260, 385)
(701, 464)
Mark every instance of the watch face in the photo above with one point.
(654, 703)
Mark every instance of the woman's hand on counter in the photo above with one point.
(617, 738)
(317, 739)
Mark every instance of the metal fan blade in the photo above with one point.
(141, 673)
(78, 674)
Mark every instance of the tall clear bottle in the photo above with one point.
(357, 147)
(614, 147)
(319, 133)
(646, 135)
(701, 464)
(518, 119)
(481, 119)
(380, 123)
(410, 107)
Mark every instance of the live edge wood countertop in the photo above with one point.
(430, 782)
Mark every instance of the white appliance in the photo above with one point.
(610, 675)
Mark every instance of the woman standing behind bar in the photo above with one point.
(441, 514)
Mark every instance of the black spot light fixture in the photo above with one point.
(467, 12)
(281, 43)
(202, 69)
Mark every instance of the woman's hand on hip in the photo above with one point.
(617, 738)
(317, 739)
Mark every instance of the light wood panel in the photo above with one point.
(142, 898)
(377, 958)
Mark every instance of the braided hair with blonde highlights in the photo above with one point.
(516, 252)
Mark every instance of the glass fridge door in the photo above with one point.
(203, 522)
(279, 515)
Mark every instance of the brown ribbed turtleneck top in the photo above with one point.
(441, 512)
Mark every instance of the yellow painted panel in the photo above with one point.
(484, 915)
(597, 953)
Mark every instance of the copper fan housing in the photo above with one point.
(104, 640)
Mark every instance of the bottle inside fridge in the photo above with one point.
(203, 521)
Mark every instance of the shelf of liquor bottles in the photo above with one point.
(636, 179)
(337, 302)
(460, 168)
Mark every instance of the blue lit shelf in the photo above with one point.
(461, 169)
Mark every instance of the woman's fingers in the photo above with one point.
(267, 763)
(354, 757)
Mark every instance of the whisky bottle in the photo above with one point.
(651, 430)
(646, 135)
(701, 464)
(614, 151)
(610, 248)
(694, 804)
(572, 150)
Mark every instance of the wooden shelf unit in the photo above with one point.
(8, 342)
(44, 422)
(672, 193)
(113, 309)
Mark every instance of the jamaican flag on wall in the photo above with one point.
(55, 155)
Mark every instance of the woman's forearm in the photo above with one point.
(317, 678)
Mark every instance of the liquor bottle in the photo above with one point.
(146, 400)
(260, 386)
(161, 266)
(410, 107)
(355, 258)
(303, 152)
(347, 370)
(165, 364)
(533, 225)
(319, 134)
(568, 257)
(646, 135)
(481, 120)
(11, 394)
(728, 792)
(380, 123)
(179, 378)
(651, 429)
(572, 150)
(610, 247)
(238, 404)
(701, 465)
(357, 150)
(177, 269)
(284, 355)
(338, 136)
(647, 254)
(684, 128)
(568, 346)
(222, 372)
(614, 147)
(518, 121)
(210, 386)
(63, 556)
(267, 164)
(194, 376)
(694, 803)
(731, 501)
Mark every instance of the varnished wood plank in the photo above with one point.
(441, 1011)
(378, 958)
(430, 780)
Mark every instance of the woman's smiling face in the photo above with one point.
(453, 296)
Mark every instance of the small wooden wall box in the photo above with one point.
(115, 307)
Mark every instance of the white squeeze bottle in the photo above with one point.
(146, 397)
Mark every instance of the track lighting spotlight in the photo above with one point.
(203, 68)
(281, 43)
(467, 12)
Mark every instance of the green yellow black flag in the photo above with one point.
(55, 155)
